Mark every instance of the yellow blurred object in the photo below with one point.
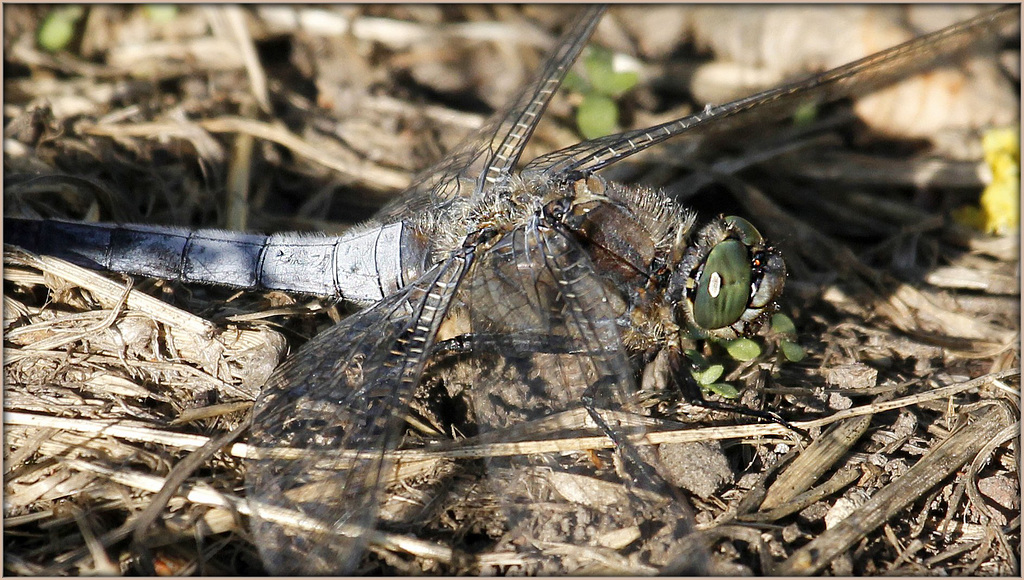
(999, 209)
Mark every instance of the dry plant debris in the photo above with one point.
(291, 117)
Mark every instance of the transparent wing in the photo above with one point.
(488, 155)
(858, 77)
(536, 286)
(325, 421)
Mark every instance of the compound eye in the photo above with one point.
(748, 233)
(724, 289)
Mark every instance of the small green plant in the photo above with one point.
(58, 27)
(598, 113)
(708, 373)
(805, 114)
(742, 349)
(783, 326)
(160, 13)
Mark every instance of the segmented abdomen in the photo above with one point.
(363, 266)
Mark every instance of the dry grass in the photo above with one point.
(908, 399)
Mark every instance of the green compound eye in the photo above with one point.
(724, 289)
(748, 233)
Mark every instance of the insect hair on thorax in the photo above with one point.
(511, 203)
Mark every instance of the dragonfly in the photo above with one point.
(526, 289)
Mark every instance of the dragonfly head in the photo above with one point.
(728, 280)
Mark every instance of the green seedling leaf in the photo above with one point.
(600, 66)
(58, 28)
(597, 116)
(575, 83)
(792, 351)
(805, 114)
(783, 324)
(697, 358)
(742, 349)
(160, 13)
(709, 375)
(723, 389)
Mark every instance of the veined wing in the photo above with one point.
(488, 154)
(537, 282)
(855, 78)
(327, 417)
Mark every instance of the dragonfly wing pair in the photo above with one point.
(325, 424)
